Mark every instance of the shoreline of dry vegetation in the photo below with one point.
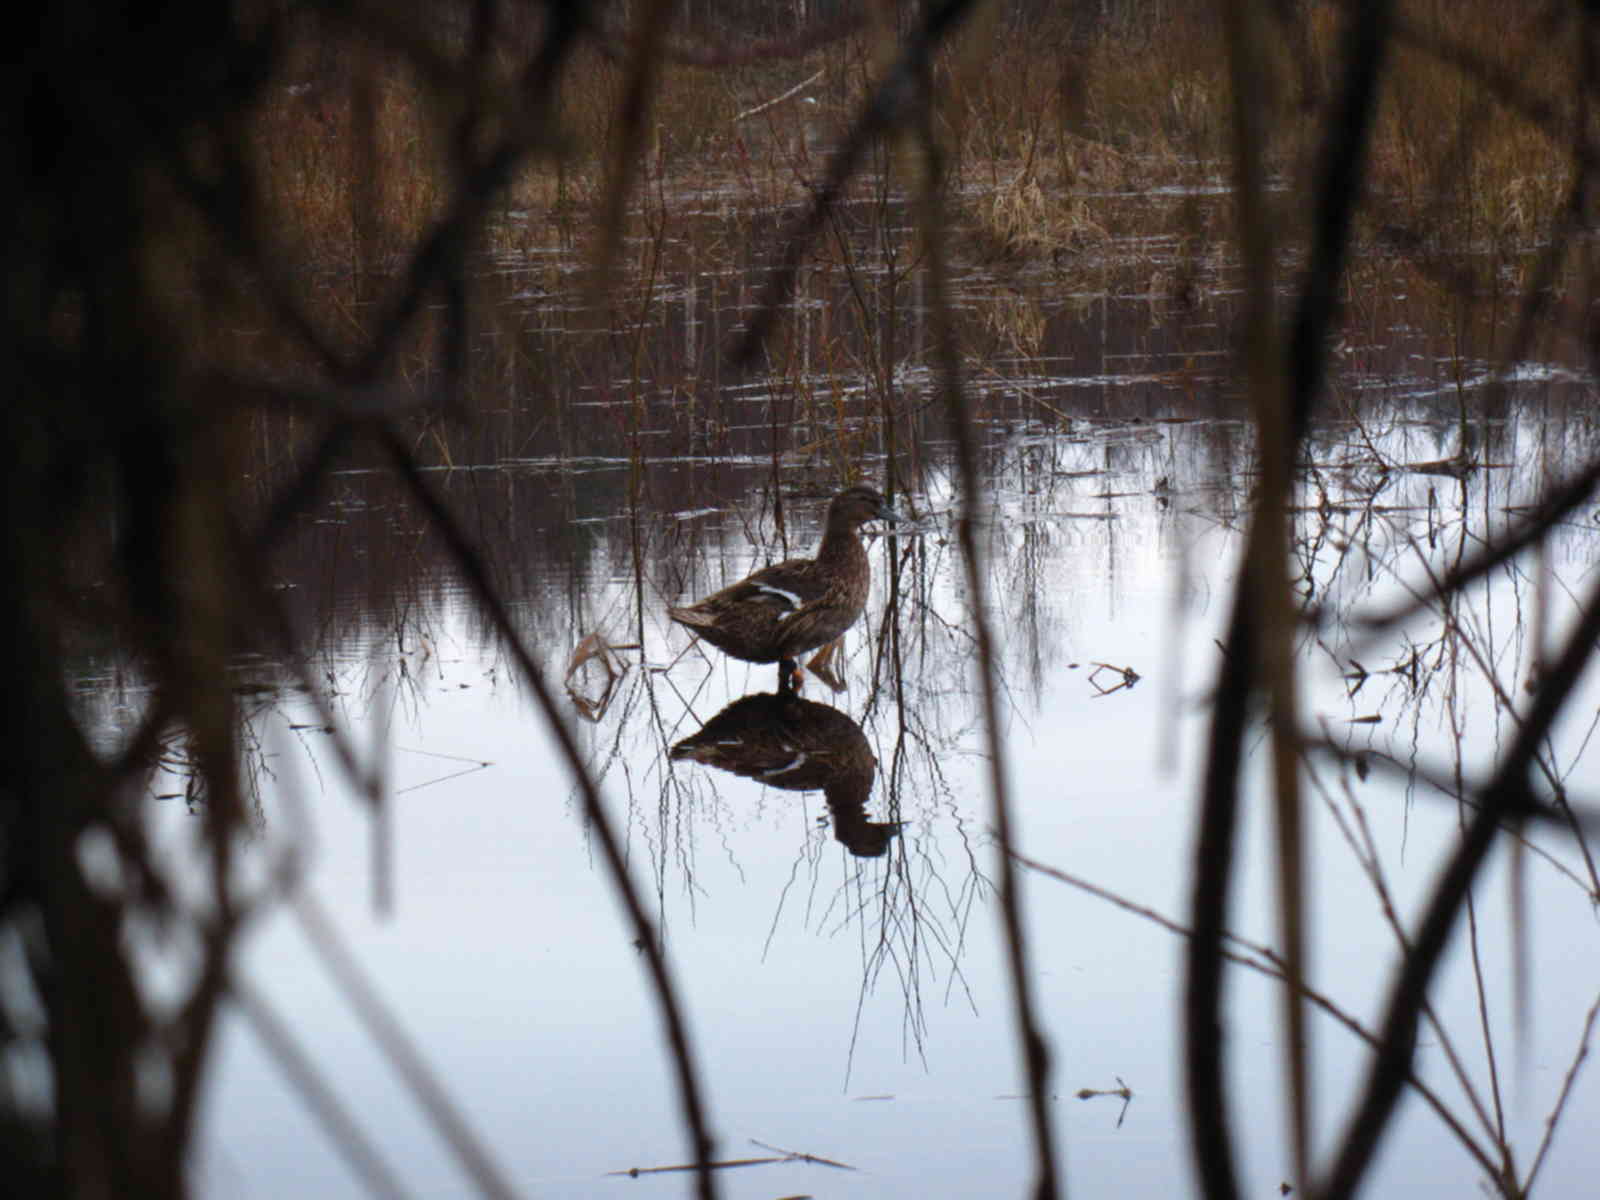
(354, 168)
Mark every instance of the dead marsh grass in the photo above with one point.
(1474, 130)
(351, 166)
(355, 169)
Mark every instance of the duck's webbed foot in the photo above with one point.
(821, 665)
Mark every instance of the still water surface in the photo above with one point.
(855, 1008)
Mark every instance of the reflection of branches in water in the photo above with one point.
(1257, 663)
(177, 757)
(1462, 622)
(667, 807)
(1351, 550)
(1263, 960)
(908, 934)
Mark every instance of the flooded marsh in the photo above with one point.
(1201, 801)
(834, 934)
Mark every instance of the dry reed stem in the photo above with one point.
(300, 1069)
(1267, 551)
(470, 564)
(1035, 1051)
(399, 1048)
(1261, 583)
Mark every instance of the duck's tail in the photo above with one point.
(694, 618)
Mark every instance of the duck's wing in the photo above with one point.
(769, 594)
(825, 610)
(788, 587)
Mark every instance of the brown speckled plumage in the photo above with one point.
(782, 611)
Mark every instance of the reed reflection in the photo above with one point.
(798, 745)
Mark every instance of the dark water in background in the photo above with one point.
(852, 1007)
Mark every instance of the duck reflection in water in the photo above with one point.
(800, 746)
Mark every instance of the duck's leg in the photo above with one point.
(788, 675)
(821, 665)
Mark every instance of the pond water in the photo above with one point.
(855, 1007)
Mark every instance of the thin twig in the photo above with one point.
(644, 934)
(1561, 1101)
(780, 98)
(1253, 956)
(1035, 1052)
(386, 1029)
(363, 1157)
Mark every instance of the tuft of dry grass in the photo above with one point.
(349, 160)
(1473, 136)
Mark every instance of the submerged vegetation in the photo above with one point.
(255, 246)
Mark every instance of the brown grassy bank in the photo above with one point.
(1475, 132)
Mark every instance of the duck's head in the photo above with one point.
(856, 505)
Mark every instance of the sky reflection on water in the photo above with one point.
(855, 1008)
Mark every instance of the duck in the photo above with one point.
(780, 612)
(798, 745)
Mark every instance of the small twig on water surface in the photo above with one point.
(777, 100)
(800, 1156)
(472, 766)
(725, 1165)
(1127, 675)
(1122, 1090)
(779, 1155)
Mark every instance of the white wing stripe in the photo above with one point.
(794, 764)
(794, 600)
